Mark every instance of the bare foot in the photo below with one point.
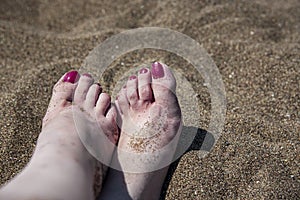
(151, 122)
(61, 167)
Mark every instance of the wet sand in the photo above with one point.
(255, 45)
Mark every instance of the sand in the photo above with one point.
(255, 45)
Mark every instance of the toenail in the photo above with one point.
(143, 71)
(71, 77)
(157, 70)
(87, 74)
(132, 77)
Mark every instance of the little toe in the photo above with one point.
(163, 83)
(112, 118)
(112, 114)
(103, 104)
(144, 85)
(122, 101)
(82, 89)
(132, 93)
(93, 95)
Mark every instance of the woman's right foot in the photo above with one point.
(61, 167)
(150, 127)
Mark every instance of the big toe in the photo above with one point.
(163, 83)
(62, 94)
(63, 90)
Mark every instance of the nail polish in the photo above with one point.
(71, 77)
(157, 70)
(143, 71)
(87, 74)
(132, 77)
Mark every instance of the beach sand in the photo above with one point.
(255, 45)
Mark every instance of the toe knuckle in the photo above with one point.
(144, 91)
(132, 96)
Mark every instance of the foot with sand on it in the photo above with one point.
(61, 167)
(150, 127)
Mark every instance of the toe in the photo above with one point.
(82, 89)
(103, 104)
(63, 90)
(163, 83)
(62, 94)
(122, 101)
(112, 114)
(93, 95)
(132, 93)
(144, 87)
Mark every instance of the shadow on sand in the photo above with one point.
(197, 144)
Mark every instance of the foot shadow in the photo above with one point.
(197, 144)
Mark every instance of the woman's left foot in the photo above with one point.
(61, 167)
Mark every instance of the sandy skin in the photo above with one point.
(151, 120)
(61, 167)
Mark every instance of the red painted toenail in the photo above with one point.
(71, 77)
(132, 77)
(86, 74)
(157, 70)
(143, 70)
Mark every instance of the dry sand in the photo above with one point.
(255, 45)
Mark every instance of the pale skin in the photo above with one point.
(62, 168)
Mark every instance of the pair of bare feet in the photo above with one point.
(64, 164)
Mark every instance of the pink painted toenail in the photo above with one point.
(157, 70)
(143, 71)
(132, 77)
(71, 77)
(88, 75)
